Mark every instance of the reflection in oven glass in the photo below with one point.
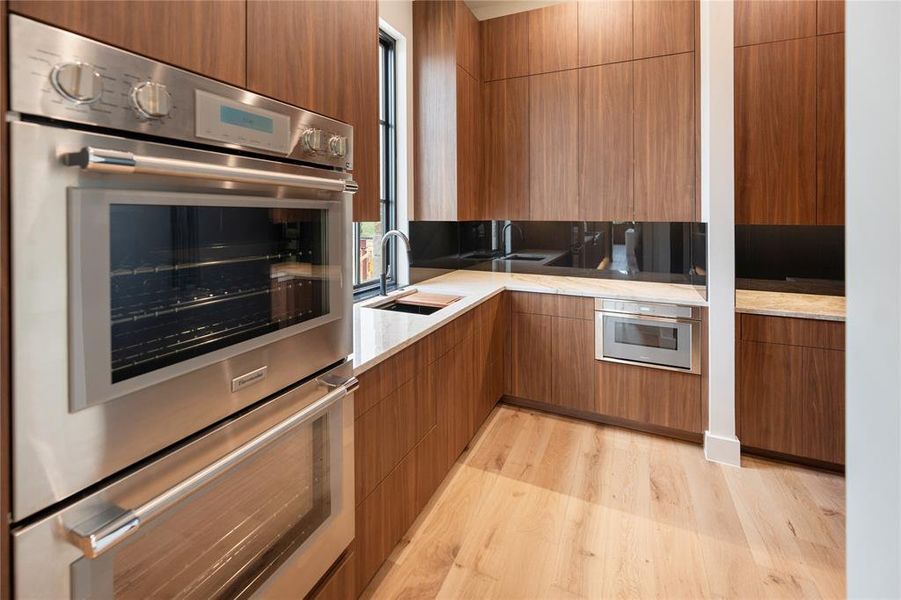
(188, 280)
(649, 336)
(223, 540)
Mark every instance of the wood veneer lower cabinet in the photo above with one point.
(647, 396)
(415, 413)
(790, 387)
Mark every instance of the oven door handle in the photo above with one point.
(95, 542)
(115, 161)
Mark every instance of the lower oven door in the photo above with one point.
(214, 518)
(154, 299)
(658, 342)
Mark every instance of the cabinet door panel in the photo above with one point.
(605, 154)
(831, 129)
(790, 400)
(662, 27)
(648, 396)
(530, 356)
(296, 54)
(775, 133)
(506, 161)
(554, 142)
(505, 47)
(830, 16)
(469, 153)
(468, 41)
(572, 369)
(759, 21)
(552, 43)
(605, 32)
(204, 36)
(664, 138)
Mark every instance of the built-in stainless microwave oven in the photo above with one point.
(663, 336)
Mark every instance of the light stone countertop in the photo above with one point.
(780, 304)
(379, 334)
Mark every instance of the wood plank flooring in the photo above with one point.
(548, 507)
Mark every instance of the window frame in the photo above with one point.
(387, 169)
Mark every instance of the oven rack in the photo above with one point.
(151, 304)
(169, 268)
(197, 335)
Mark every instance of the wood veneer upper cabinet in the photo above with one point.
(297, 53)
(505, 47)
(830, 16)
(447, 115)
(664, 138)
(759, 21)
(775, 133)
(469, 55)
(662, 27)
(469, 149)
(605, 31)
(831, 129)
(553, 147)
(605, 156)
(204, 36)
(553, 41)
(505, 181)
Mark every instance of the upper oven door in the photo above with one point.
(164, 283)
(658, 342)
(157, 290)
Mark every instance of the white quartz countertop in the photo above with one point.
(379, 334)
(780, 304)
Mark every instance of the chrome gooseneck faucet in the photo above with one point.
(504, 231)
(383, 278)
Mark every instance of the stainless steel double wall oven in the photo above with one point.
(181, 285)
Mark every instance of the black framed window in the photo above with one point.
(368, 234)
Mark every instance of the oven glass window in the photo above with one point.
(188, 280)
(222, 541)
(648, 336)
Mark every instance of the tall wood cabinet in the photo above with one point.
(307, 53)
(789, 112)
(204, 36)
(447, 112)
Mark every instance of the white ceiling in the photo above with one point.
(489, 9)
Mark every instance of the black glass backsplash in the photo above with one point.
(790, 258)
(665, 252)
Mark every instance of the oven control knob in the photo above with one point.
(337, 145)
(77, 82)
(311, 140)
(151, 100)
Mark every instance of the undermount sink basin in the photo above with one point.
(413, 309)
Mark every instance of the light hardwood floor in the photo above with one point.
(548, 507)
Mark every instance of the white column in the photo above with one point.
(873, 283)
(718, 210)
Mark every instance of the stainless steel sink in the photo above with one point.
(413, 309)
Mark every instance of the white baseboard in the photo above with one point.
(723, 450)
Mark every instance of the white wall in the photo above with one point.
(873, 283)
(396, 17)
(718, 210)
(489, 9)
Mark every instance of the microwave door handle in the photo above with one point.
(96, 542)
(115, 161)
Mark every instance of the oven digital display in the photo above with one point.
(243, 118)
